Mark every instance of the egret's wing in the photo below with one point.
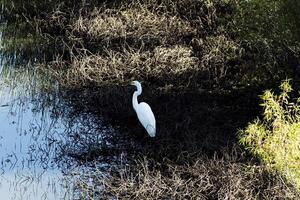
(146, 113)
(147, 118)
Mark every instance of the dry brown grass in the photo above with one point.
(139, 23)
(220, 177)
(176, 42)
(147, 40)
(120, 67)
(182, 41)
(218, 51)
(163, 62)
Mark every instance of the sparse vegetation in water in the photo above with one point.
(276, 138)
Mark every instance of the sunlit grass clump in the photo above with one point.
(276, 137)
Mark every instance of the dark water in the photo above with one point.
(24, 170)
(45, 148)
(51, 147)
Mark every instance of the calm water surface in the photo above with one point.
(48, 139)
(25, 173)
(44, 149)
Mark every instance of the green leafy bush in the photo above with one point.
(268, 31)
(276, 137)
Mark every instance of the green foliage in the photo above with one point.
(269, 33)
(276, 138)
(291, 16)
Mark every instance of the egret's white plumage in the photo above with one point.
(143, 111)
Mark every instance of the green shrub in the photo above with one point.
(289, 9)
(276, 137)
(268, 31)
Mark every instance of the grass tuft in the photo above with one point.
(139, 23)
(222, 177)
(115, 67)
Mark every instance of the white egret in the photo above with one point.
(143, 111)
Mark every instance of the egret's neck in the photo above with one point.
(134, 97)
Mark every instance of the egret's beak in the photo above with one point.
(131, 83)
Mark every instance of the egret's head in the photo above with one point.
(136, 83)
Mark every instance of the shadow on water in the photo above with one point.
(46, 142)
(187, 122)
